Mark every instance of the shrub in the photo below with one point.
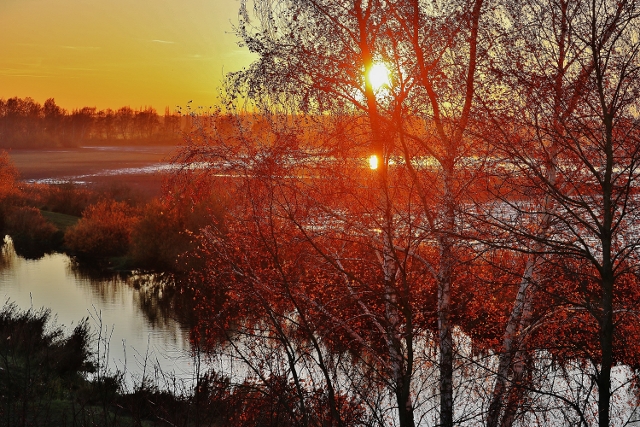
(67, 198)
(120, 192)
(32, 234)
(39, 363)
(8, 189)
(8, 175)
(169, 229)
(104, 230)
(158, 238)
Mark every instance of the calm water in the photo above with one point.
(140, 337)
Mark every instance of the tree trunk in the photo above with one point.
(520, 363)
(606, 347)
(444, 303)
(508, 344)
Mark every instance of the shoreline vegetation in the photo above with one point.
(110, 224)
(50, 376)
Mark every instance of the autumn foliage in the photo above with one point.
(8, 175)
(486, 272)
(104, 230)
(300, 278)
(168, 228)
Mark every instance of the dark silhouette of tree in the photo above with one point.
(146, 122)
(80, 124)
(26, 124)
(106, 124)
(53, 120)
(171, 122)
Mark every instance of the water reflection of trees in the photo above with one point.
(154, 294)
(7, 254)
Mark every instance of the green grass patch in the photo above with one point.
(62, 221)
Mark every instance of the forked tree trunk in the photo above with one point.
(509, 345)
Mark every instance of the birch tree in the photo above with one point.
(575, 151)
(316, 56)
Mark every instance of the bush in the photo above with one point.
(120, 192)
(67, 198)
(8, 175)
(38, 364)
(169, 229)
(8, 189)
(103, 231)
(158, 238)
(32, 234)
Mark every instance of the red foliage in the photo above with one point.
(272, 401)
(169, 228)
(568, 314)
(8, 189)
(104, 230)
(8, 175)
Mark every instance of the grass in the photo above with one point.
(61, 221)
(43, 378)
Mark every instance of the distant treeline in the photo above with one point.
(24, 123)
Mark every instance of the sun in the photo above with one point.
(373, 162)
(379, 76)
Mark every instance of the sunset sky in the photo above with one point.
(112, 53)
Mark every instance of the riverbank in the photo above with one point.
(53, 375)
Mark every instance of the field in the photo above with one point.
(135, 167)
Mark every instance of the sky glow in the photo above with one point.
(109, 54)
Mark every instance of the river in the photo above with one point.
(132, 335)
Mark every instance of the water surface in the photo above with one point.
(142, 340)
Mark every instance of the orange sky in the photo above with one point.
(112, 53)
